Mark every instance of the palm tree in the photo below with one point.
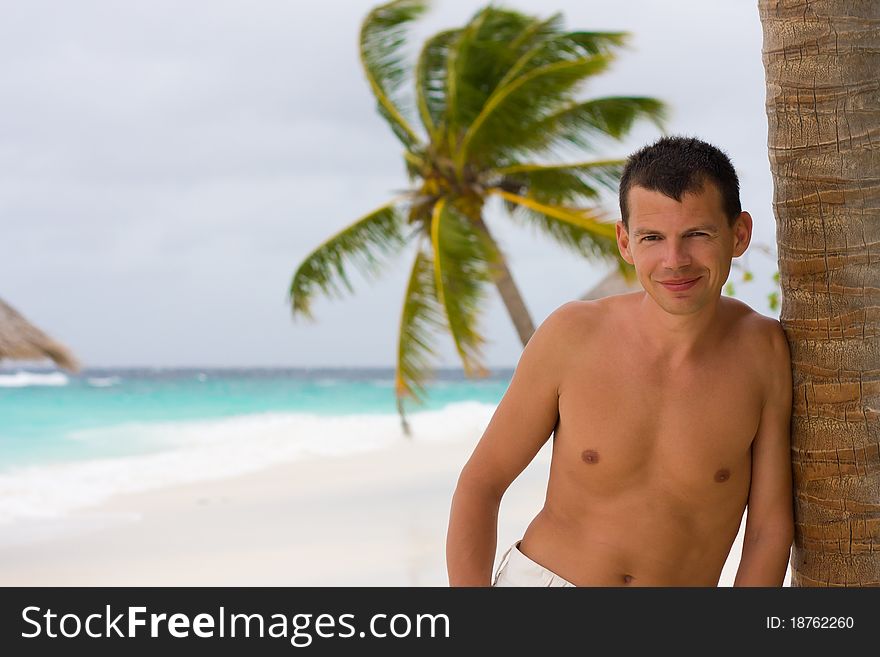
(496, 99)
(821, 67)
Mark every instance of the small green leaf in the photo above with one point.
(747, 276)
(776, 277)
(773, 299)
(728, 290)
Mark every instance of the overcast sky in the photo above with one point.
(164, 166)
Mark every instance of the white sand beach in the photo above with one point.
(375, 518)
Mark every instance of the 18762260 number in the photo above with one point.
(810, 623)
(821, 622)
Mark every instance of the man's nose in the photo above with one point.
(676, 255)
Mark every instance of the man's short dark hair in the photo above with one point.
(674, 166)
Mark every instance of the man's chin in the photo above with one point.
(678, 305)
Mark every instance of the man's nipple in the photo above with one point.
(722, 475)
(590, 456)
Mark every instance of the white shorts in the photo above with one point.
(516, 569)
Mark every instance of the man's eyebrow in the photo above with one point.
(651, 231)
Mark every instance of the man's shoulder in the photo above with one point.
(563, 317)
(765, 330)
(766, 337)
(571, 312)
(583, 316)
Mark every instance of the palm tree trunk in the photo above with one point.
(821, 60)
(509, 292)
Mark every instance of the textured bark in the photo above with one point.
(822, 64)
(510, 293)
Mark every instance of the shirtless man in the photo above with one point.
(670, 410)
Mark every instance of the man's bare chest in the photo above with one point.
(626, 421)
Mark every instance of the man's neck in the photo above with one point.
(676, 338)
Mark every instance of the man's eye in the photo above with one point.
(651, 238)
(697, 233)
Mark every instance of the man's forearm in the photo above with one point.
(764, 561)
(472, 536)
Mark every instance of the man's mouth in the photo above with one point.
(679, 284)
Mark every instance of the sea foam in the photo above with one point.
(185, 452)
(104, 381)
(24, 379)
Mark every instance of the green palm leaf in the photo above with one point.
(479, 58)
(421, 315)
(534, 32)
(611, 116)
(546, 47)
(578, 230)
(462, 261)
(535, 94)
(585, 125)
(557, 184)
(482, 57)
(558, 47)
(583, 42)
(363, 244)
(431, 81)
(460, 90)
(383, 34)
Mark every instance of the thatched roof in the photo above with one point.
(613, 283)
(21, 340)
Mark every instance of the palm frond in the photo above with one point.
(611, 116)
(458, 88)
(485, 50)
(558, 47)
(558, 184)
(421, 315)
(462, 261)
(415, 162)
(536, 31)
(431, 75)
(536, 94)
(363, 244)
(594, 43)
(548, 46)
(382, 40)
(578, 230)
(586, 125)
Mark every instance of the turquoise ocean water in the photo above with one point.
(69, 441)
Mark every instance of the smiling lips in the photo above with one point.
(680, 284)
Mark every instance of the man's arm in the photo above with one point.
(522, 423)
(770, 518)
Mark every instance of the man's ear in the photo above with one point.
(623, 242)
(742, 233)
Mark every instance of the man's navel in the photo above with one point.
(590, 456)
(722, 475)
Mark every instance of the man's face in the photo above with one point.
(682, 251)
